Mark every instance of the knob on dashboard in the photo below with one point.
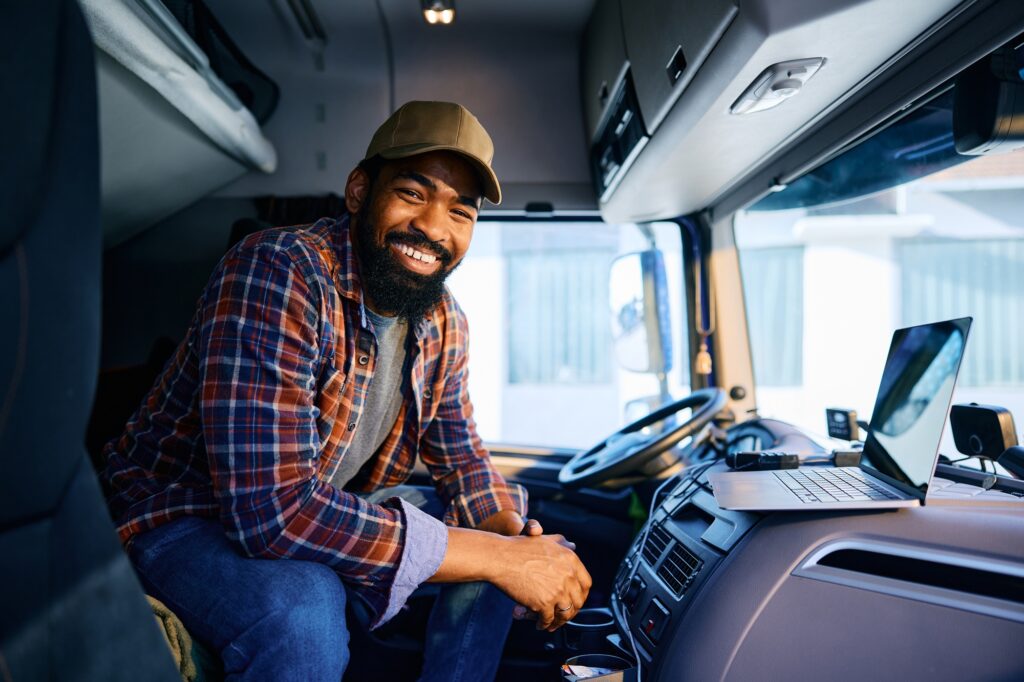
(636, 587)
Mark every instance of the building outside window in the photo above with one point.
(948, 245)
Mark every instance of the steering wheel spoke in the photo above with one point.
(629, 448)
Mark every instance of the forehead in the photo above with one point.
(444, 168)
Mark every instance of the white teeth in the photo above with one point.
(418, 255)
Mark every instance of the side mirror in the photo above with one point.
(638, 296)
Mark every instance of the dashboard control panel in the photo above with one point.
(704, 592)
(687, 536)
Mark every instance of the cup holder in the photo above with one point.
(589, 630)
(590, 618)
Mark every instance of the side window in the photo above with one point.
(942, 278)
(774, 277)
(542, 366)
(826, 285)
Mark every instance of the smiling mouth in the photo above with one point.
(416, 260)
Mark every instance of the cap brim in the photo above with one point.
(492, 190)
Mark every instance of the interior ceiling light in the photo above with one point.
(775, 85)
(438, 11)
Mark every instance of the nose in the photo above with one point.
(430, 222)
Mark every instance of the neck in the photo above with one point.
(372, 306)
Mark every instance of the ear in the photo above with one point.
(357, 189)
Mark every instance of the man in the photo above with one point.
(321, 361)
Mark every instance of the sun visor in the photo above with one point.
(177, 69)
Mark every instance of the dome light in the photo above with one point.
(438, 11)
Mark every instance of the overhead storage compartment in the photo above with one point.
(667, 41)
(691, 60)
(604, 61)
(171, 130)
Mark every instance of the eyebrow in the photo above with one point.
(472, 202)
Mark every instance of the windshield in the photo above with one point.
(826, 285)
(919, 144)
(538, 295)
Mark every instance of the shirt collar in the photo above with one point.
(347, 277)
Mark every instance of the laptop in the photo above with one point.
(902, 444)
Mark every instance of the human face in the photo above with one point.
(412, 228)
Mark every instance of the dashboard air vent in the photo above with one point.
(655, 546)
(679, 568)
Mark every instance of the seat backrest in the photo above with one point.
(70, 604)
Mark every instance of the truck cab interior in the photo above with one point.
(715, 214)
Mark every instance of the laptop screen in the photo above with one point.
(912, 402)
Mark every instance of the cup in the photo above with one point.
(613, 668)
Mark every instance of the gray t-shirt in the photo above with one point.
(383, 399)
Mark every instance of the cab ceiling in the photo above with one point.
(514, 64)
(699, 150)
(517, 65)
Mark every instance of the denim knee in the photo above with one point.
(315, 604)
(301, 634)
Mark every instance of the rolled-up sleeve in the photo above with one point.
(259, 347)
(425, 547)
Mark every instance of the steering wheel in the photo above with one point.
(628, 448)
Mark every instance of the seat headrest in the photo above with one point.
(29, 38)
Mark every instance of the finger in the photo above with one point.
(579, 597)
(559, 622)
(565, 543)
(533, 528)
(584, 579)
(545, 618)
(563, 615)
(583, 594)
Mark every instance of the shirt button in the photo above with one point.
(427, 393)
(352, 426)
(363, 359)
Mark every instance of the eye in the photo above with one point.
(413, 194)
(462, 213)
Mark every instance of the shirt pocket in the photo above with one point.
(330, 403)
(430, 400)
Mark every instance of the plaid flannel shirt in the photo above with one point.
(252, 415)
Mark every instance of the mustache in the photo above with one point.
(421, 243)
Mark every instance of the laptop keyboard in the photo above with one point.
(841, 484)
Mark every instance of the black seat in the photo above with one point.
(70, 605)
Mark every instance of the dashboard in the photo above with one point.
(709, 593)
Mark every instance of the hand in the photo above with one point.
(545, 577)
(532, 527)
(509, 522)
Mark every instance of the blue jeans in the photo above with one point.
(285, 620)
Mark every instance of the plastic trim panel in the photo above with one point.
(989, 606)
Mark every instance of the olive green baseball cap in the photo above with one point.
(421, 127)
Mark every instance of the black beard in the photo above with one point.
(391, 287)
